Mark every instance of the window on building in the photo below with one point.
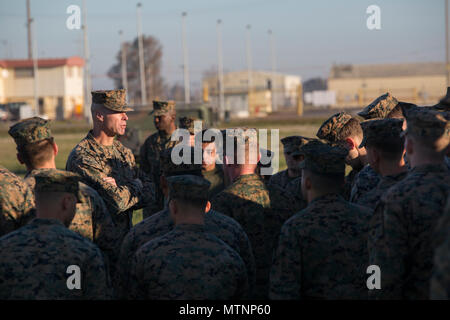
(23, 73)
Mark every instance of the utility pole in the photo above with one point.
(141, 56)
(220, 69)
(34, 53)
(187, 89)
(87, 68)
(30, 44)
(124, 62)
(447, 49)
(274, 69)
(249, 66)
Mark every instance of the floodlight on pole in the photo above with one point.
(141, 55)
(220, 68)
(187, 89)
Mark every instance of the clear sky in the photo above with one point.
(310, 35)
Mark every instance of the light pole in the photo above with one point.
(220, 68)
(124, 62)
(249, 66)
(141, 56)
(87, 68)
(274, 68)
(187, 89)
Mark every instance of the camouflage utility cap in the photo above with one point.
(188, 124)
(58, 181)
(291, 143)
(321, 158)
(331, 128)
(114, 100)
(188, 187)
(427, 123)
(381, 130)
(303, 141)
(162, 107)
(169, 168)
(380, 107)
(30, 130)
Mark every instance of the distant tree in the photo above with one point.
(152, 62)
(175, 92)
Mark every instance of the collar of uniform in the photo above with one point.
(45, 222)
(34, 172)
(393, 178)
(246, 177)
(190, 227)
(165, 136)
(430, 168)
(329, 197)
(90, 137)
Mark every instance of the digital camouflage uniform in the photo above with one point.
(282, 178)
(378, 132)
(35, 258)
(94, 162)
(216, 178)
(330, 131)
(16, 202)
(322, 250)
(150, 153)
(247, 201)
(440, 280)
(92, 219)
(224, 227)
(401, 229)
(188, 262)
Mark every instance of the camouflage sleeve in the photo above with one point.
(440, 280)
(247, 256)
(286, 267)
(135, 289)
(243, 287)
(120, 198)
(96, 284)
(388, 247)
(16, 204)
(106, 235)
(145, 164)
(127, 250)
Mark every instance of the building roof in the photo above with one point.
(42, 63)
(387, 70)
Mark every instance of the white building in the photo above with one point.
(268, 92)
(59, 85)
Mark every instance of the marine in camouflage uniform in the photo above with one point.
(440, 280)
(92, 220)
(284, 179)
(94, 162)
(330, 131)
(382, 135)
(35, 258)
(401, 230)
(132, 140)
(224, 227)
(16, 202)
(151, 150)
(247, 201)
(322, 250)
(188, 262)
(287, 199)
(213, 172)
(367, 179)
